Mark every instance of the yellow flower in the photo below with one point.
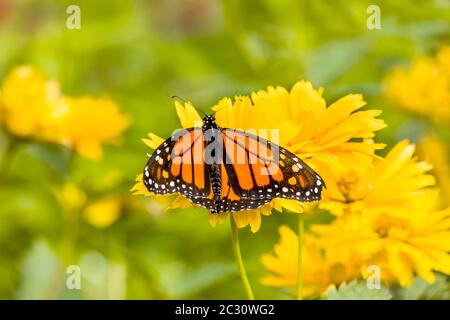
(318, 273)
(85, 123)
(104, 212)
(396, 182)
(329, 139)
(26, 102)
(436, 152)
(388, 219)
(424, 88)
(32, 107)
(401, 243)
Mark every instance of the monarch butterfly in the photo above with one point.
(227, 170)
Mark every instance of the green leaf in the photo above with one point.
(53, 156)
(334, 58)
(421, 29)
(39, 270)
(102, 278)
(186, 283)
(420, 289)
(356, 290)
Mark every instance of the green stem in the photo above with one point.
(66, 254)
(8, 152)
(67, 243)
(300, 257)
(238, 257)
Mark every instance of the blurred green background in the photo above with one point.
(140, 53)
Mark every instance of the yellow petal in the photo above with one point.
(248, 217)
(153, 141)
(139, 187)
(188, 115)
(215, 218)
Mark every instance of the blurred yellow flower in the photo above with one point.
(436, 152)
(318, 273)
(71, 197)
(33, 107)
(329, 139)
(104, 212)
(100, 212)
(424, 87)
(85, 123)
(27, 101)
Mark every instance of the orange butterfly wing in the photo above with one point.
(260, 169)
(175, 166)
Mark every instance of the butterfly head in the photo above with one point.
(209, 122)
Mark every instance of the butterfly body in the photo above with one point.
(227, 170)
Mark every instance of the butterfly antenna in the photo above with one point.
(202, 112)
(179, 98)
(215, 111)
(184, 101)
